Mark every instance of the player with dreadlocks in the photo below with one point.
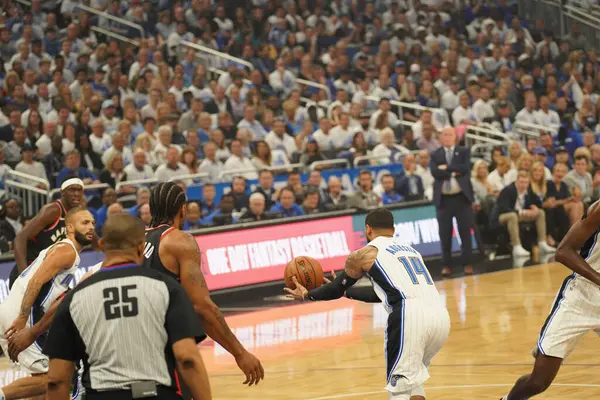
(176, 253)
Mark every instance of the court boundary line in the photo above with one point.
(330, 369)
(474, 386)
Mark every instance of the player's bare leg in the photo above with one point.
(25, 388)
(544, 372)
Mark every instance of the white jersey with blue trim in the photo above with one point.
(51, 289)
(399, 273)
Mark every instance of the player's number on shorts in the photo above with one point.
(414, 266)
(120, 303)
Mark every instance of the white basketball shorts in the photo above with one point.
(575, 311)
(416, 331)
(32, 357)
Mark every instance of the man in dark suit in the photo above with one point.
(408, 184)
(335, 199)
(219, 103)
(265, 187)
(6, 132)
(453, 197)
(516, 204)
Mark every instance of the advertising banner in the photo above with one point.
(349, 178)
(251, 256)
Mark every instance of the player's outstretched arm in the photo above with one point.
(48, 215)
(187, 253)
(60, 257)
(356, 265)
(567, 252)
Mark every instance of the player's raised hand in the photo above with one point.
(251, 367)
(299, 293)
(19, 341)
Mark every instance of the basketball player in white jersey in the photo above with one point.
(34, 292)
(418, 323)
(575, 310)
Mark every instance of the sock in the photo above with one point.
(2, 397)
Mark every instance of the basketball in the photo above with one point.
(307, 270)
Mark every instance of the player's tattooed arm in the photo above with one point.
(567, 252)
(360, 261)
(58, 258)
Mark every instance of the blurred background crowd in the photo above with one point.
(268, 94)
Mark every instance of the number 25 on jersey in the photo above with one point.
(414, 267)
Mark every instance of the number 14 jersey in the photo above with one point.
(399, 273)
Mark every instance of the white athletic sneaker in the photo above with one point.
(546, 248)
(519, 251)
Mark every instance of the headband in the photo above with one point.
(71, 182)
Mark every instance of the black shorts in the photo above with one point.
(164, 393)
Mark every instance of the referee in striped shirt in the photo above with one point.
(130, 325)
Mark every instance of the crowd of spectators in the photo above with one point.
(77, 103)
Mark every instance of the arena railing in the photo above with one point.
(287, 168)
(359, 159)
(106, 15)
(235, 172)
(315, 85)
(525, 130)
(32, 197)
(190, 178)
(116, 36)
(326, 164)
(216, 53)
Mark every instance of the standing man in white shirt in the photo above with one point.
(342, 134)
(449, 100)
(282, 80)
(44, 143)
(172, 168)
(482, 108)
(384, 106)
(278, 139)
(211, 165)
(528, 114)
(547, 117)
(139, 168)
(499, 178)
(238, 161)
(323, 135)
(463, 114)
(118, 146)
(249, 122)
(99, 139)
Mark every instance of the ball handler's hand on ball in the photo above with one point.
(251, 367)
(299, 293)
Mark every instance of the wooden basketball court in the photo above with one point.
(334, 350)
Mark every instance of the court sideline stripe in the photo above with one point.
(491, 385)
(296, 371)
